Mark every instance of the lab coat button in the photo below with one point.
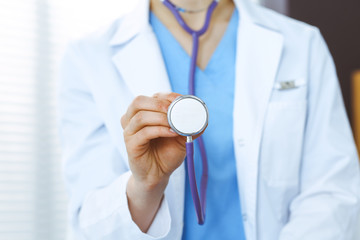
(244, 217)
(240, 142)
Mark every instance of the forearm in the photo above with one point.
(144, 201)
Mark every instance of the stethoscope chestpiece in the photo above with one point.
(188, 115)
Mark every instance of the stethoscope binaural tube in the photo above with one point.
(200, 203)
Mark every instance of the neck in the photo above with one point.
(192, 4)
(194, 21)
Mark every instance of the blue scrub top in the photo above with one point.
(215, 85)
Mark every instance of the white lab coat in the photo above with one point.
(297, 166)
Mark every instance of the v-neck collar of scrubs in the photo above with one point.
(215, 55)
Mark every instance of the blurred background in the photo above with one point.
(33, 34)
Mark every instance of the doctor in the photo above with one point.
(282, 161)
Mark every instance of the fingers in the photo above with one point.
(158, 103)
(148, 133)
(143, 103)
(169, 96)
(146, 118)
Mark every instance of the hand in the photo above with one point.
(154, 151)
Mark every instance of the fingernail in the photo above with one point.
(171, 130)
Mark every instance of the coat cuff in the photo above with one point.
(161, 224)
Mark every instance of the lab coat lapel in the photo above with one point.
(141, 65)
(258, 54)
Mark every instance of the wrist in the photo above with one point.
(150, 185)
(144, 201)
(146, 190)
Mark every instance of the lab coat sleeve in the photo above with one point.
(327, 206)
(95, 173)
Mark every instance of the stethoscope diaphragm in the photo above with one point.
(188, 115)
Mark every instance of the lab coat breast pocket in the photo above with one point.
(281, 149)
(282, 142)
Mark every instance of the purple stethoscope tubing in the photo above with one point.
(199, 202)
(195, 35)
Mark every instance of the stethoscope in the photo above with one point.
(188, 114)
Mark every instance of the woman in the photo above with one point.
(282, 162)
